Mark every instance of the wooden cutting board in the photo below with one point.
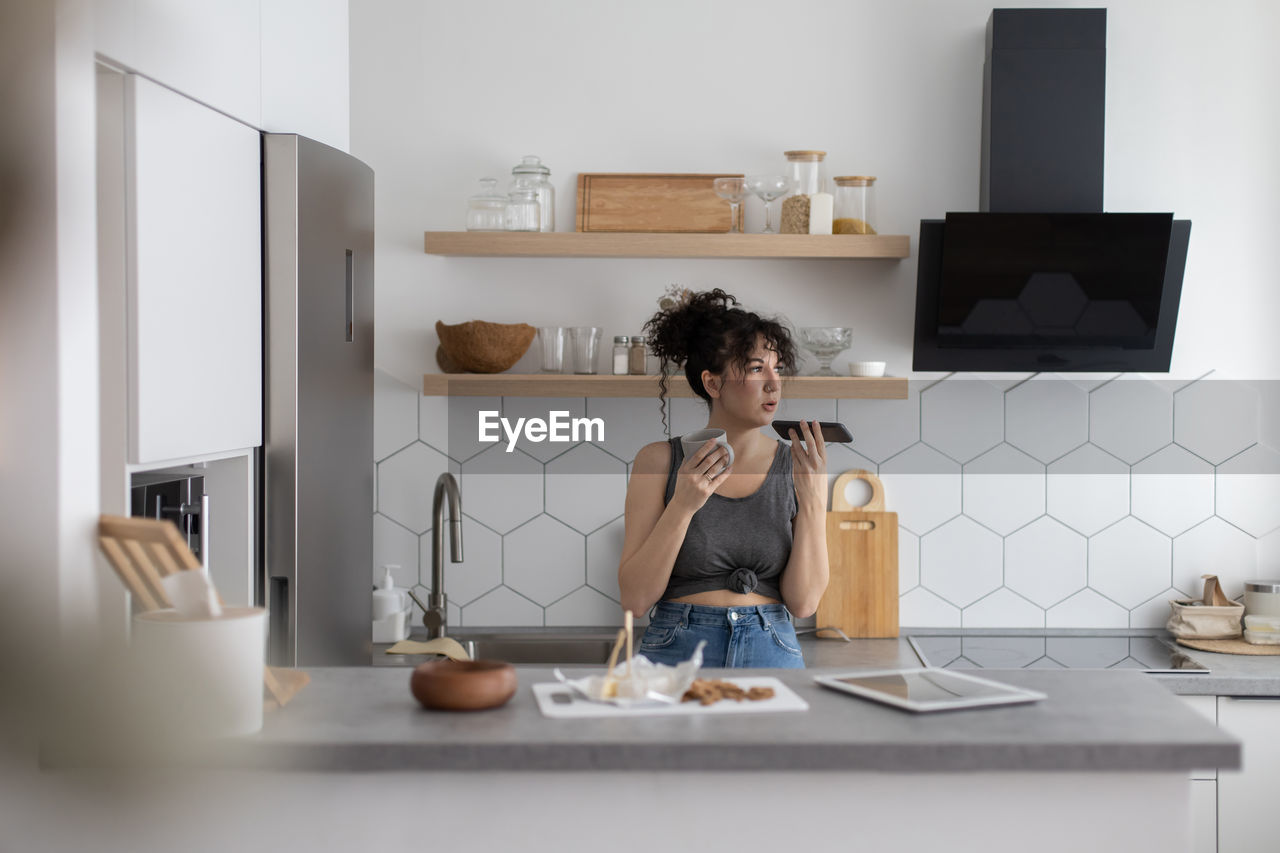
(655, 203)
(862, 548)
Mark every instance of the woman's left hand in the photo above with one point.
(809, 465)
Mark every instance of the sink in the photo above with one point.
(564, 648)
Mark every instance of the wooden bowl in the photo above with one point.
(480, 347)
(463, 685)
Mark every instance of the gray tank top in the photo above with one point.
(739, 544)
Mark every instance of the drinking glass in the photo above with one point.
(551, 343)
(767, 188)
(734, 191)
(584, 341)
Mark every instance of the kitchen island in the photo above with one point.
(1101, 764)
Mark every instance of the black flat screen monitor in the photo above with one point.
(1049, 291)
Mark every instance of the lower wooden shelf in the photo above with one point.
(603, 385)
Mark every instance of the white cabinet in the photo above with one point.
(1247, 821)
(194, 277)
(209, 51)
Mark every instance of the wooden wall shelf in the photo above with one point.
(572, 244)
(601, 385)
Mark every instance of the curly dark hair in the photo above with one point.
(708, 331)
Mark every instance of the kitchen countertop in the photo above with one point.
(364, 718)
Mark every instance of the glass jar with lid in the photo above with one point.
(487, 209)
(808, 177)
(636, 362)
(530, 173)
(522, 212)
(855, 205)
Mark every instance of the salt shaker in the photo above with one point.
(620, 345)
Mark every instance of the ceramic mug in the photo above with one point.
(694, 440)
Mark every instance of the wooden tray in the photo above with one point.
(652, 202)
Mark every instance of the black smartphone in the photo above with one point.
(832, 431)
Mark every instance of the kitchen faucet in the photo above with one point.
(436, 617)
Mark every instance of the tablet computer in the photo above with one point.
(928, 689)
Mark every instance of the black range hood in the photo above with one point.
(1041, 279)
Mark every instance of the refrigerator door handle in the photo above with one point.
(351, 295)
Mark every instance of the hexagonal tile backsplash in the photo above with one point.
(1034, 503)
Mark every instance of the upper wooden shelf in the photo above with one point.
(603, 385)
(573, 244)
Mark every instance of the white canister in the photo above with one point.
(204, 676)
(1262, 598)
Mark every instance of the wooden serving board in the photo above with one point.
(652, 202)
(862, 548)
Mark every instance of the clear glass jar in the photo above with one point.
(522, 212)
(487, 209)
(636, 363)
(530, 173)
(621, 346)
(808, 176)
(855, 205)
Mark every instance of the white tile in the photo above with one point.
(1047, 417)
(1248, 490)
(908, 559)
(394, 545)
(1129, 562)
(1214, 548)
(962, 417)
(685, 414)
(1087, 609)
(406, 483)
(807, 410)
(452, 424)
(1154, 613)
(1087, 490)
(480, 569)
(585, 488)
(1003, 489)
(1131, 418)
(604, 553)
(1269, 555)
(1002, 609)
(961, 561)
(920, 608)
(541, 408)
(1268, 394)
(882, 428)
(502, 608)
(1172, 490)
(544, 560)
(585, 607)
(922, 486)
(1216, 418)
(395, 414)
(629, 424)
(500, 489)
(1046, 562)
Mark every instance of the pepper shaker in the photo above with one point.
(636, 361)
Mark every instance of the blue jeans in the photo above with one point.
(760, 636)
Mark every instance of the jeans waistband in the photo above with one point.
(706, 614)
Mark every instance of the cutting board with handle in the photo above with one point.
(862, 549)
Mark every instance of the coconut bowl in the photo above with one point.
(480, 347)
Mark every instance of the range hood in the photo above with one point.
(1040, 278)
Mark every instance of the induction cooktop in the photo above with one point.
(1053, 651)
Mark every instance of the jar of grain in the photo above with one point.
(854, 211)
(808, 176)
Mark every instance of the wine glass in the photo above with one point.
(734, 191)
(767, 188)
(826, 342)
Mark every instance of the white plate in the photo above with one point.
(558, 701)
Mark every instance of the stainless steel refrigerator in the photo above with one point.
(317, 491)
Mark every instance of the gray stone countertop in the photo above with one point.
(364, 719)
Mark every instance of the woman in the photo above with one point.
(726, 554)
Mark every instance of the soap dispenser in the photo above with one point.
(390, 610)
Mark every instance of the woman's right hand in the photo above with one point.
(700, 474)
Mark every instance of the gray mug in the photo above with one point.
(694, 440)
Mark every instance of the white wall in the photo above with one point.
(445, 93)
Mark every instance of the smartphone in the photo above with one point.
(832, 431)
